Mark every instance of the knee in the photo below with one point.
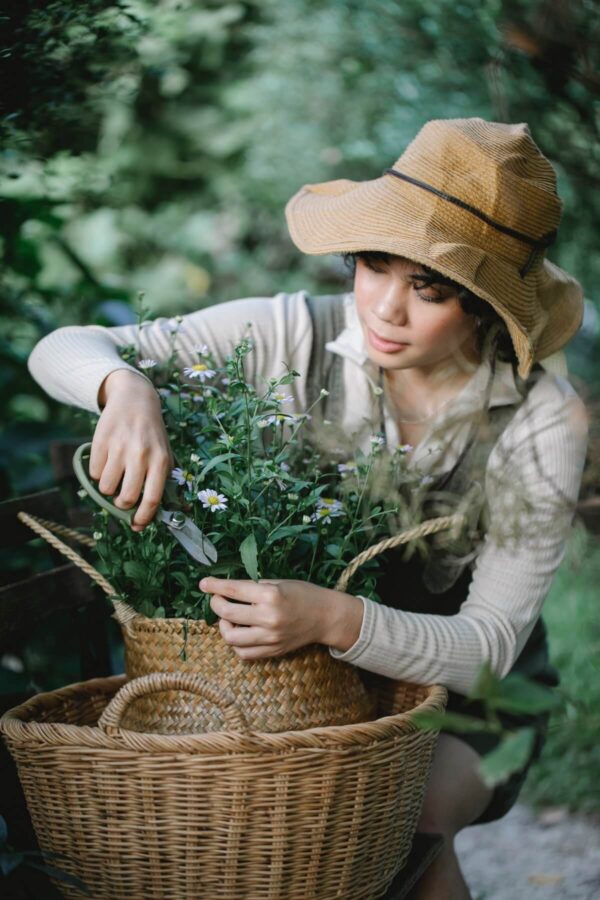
(435, 818)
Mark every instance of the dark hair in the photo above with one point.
(485, 315)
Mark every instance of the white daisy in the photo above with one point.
(194, 458)
(172, 325)
(147, 363)
(165, 392)
(377, 440)
(212, 500)
(327, 508)
(182, 477)
(335, 506)
(346, 468)
(281, 397)
(404, 448)
(277, 419)
(201, 349)
(199, 370)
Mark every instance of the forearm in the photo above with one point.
(71, 364)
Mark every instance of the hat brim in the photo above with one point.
(541, 311)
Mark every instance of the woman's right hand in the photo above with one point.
(131, 445)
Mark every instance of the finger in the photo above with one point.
(153, 491)
(247, 591)
(262, 651)
(235, 613)
(98, 458)
(131, 487)
(238, 636)
(111, 476)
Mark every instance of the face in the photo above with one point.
(408, 322)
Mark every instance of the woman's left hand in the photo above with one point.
(274, 617)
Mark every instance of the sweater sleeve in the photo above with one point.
(532, 483)
(71, 363)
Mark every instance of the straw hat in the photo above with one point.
(474, 200)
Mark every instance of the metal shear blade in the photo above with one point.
(189, 536)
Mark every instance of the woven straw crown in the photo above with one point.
(470, 199)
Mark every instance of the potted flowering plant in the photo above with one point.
(276, 501)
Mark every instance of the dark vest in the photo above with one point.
(439, 583)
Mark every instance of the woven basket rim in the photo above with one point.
(16, 726)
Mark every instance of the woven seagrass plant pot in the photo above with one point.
(304, 689)
(320, 814)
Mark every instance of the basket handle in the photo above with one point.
(430, 526)
(46, 529)
(110, 720)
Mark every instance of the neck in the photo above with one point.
(419, 392)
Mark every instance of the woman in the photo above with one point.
(438, 345)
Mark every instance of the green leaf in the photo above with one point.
(289, 378)
(508, 757)
(284, 532)
(135, 570)
(455, 722)
(159, 613)
(519, 694)
(515, 693)
(181, 578)
(249, 554)
(222, 457)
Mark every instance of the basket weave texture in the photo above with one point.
(306, 815)
(304, 689)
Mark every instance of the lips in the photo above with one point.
(382, 344)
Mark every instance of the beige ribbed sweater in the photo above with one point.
(533, 474)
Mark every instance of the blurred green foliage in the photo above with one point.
(567, 772)
(152, 144)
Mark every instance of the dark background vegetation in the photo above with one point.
(151, 146)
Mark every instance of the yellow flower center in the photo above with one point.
(200, 367)
(213, 500)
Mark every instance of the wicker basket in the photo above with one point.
(307, 815)
(304, 689)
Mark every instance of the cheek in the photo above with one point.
(444, 325)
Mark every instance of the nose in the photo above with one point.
(392, 304)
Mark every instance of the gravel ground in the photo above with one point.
(549, 855)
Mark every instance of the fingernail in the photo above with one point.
(202, 584)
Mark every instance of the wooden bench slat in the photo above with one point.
(45, 504)
(27, 602)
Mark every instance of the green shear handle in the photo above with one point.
(83, 452)
(180, 526)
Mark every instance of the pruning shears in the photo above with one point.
(180, 526)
